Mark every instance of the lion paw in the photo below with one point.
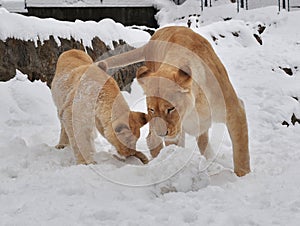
(242, 172)
(141, 157)
(61, 146)
(85, 162)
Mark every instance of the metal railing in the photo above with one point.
(250, 4)
(282, 4)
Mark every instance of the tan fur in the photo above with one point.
(112, 116)
(204, 93)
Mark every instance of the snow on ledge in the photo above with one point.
(32, 28)
(14, 5)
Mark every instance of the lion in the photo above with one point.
(86, 97)
(187, 88)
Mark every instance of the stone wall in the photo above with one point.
(39, 61)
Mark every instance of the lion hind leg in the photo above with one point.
(238, 131)
(83, 156)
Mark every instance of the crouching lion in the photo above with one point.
(187, 88)
(85, 97)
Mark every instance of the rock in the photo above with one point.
(214, 38)
(38, 60)
(287, 70)
(99, 48)
(285, 123)
(236, 33)
(294, 119)
(261, 28)
(227, 18)
(258, 39)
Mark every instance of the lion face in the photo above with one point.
(127, 130)
(164, 117)
(169, 99)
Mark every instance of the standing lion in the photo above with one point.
(187, 88)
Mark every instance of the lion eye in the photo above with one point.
(169, 110)
(151, 110)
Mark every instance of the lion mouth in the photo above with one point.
(169, 134)
(172, 137)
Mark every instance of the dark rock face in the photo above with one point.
(39, 61)
(124, 76)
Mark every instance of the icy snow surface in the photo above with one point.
(40, 185)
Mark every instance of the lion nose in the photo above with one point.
(163, 135)
(159, 126)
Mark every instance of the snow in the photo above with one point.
(14, 5)
(19, 5)
(171, 13)
(12, 25)
(261, 3)
(40, 185)
(103, 3)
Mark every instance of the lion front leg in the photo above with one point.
(155, 144)
(64, 139)
(202, 142)
(141, 156)
(179, 141)
(203, 145)
(237, 126)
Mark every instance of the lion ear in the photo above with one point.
(184, 77)
(136, 121)
(102, 65)
(139, 118)
(142, 72)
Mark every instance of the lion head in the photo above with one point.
(169, 98)
(127, 132)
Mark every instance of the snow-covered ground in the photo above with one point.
(40, 185)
